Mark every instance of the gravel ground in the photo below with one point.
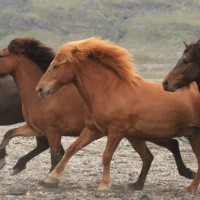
(83, 173)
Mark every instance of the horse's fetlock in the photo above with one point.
(8, 134)
(3, 153)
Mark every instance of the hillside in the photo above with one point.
(153, 30)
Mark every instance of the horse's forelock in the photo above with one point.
(16, 45)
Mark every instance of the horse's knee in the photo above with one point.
(42, 143)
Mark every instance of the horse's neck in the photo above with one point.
(26, 76)
(96, 83)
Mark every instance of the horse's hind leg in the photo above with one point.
(24, 130)
(195, 141)
(147, 158)
(173, 146)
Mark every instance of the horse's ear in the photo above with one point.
(186, 45)
(198, 84)
(74, 50)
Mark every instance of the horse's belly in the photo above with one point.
(158, 131)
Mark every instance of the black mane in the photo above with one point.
(33, 49)
(194, 50)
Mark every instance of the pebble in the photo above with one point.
(17, 189)
(144, 197)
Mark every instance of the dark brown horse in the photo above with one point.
(121, 104)
(11, 113)
(10, 103)
(186, 70)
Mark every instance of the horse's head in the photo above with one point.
(8, 59)
(27, 47)
(186, 70)
(59, 73)
(67, 66)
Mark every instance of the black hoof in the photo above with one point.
(16, 171)
(189, 174)
(2, 163)
(135, 186)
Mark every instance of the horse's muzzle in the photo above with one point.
(167, 87)
(43, 92)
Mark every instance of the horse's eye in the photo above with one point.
(56, 66)
(184, 61)
(1, 56)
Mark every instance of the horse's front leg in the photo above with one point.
(85, 138)
(113, 141)
(24, 131)
(42, 145)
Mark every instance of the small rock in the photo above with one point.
(144, 197)
(17, 189)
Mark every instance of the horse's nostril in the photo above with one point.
(165, 84)
(39, 89)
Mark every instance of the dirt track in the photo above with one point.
(83, 174)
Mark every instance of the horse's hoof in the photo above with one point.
(191, 175)
(2, 163)
(103, 187)
(16, 171)
(135, 186)
(188, 173)
(191, 189)
(50, 182)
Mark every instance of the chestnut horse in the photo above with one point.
(121, 104)
(186, 70)
(26, 59)
(11, 113)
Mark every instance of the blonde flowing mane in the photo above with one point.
(112, 56)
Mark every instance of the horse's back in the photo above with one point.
(147, 110)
